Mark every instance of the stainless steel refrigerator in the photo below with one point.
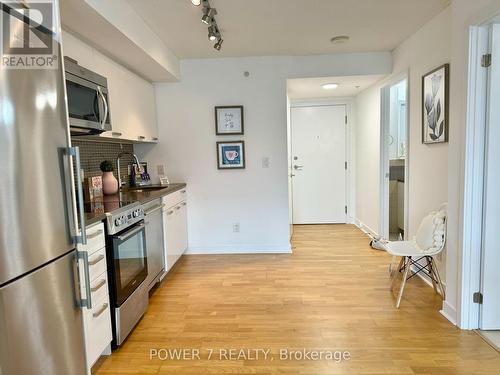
(41, 326)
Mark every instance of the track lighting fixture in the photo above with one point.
(218, 45)
(213, 33)
(208, 18)
(208, 15)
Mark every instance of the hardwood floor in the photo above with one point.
(331, 294)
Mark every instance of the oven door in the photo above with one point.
(130, 267)
(87, 106)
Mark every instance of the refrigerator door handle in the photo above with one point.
(87, 302)
(75, 151)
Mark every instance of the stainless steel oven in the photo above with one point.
(130, 266)
(88, 100)
(127, 268)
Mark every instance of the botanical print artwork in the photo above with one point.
(231, 155)
(435, 106)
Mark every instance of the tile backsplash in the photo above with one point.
(93, 153)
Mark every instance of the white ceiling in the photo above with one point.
(287, 27)
(310, 88)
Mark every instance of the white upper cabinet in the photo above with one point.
(131, 98)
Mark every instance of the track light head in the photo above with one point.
(208, 15)
(218, 45)
(213, 33)
(196, 2)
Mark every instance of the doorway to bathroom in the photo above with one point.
(394, 159)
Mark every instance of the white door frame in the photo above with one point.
(385, 119)
(350, 147)
(472, 225)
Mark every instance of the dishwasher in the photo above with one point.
(154, 241)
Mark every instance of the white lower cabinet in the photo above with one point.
(175, 227)
(97, 319)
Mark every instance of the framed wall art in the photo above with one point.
(435, 105)
(231, 155)
(229, 120)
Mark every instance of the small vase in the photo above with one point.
(109, 183)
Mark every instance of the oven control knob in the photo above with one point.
(136, 213)
(118, 222)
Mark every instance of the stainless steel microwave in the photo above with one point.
(88, 100)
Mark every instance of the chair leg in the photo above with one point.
(391, 264)
(403, 283)
(395, 272)
(438, 278)
(431, 273)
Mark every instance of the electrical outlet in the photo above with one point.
(160, 168)
(236, 228)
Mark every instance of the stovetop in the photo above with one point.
(106, 206)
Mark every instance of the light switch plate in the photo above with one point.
(265, 162)
(160, 169)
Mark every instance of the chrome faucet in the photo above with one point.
(120, 184)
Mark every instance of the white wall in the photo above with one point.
(428, 48)
(368, 159)
(257, 198)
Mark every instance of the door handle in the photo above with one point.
(105, 106)
(75, 151)
(87, 302)
(130, 233)
(298, 167)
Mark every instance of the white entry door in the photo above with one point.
(490, 278)
(318, 164)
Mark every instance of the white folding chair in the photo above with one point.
(428, 243)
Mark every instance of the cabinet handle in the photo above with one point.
(101, 310)
(98, 286)
(155, 138)
(184, 203)
(96, 260)
(170, 212)
(183, 191)
(116, 134)
(141, 137)
(94, 235)
(178, 208)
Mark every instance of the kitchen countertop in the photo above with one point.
(96, 211)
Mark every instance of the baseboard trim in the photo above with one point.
(239, 249)
(365, 228)
(449, 312)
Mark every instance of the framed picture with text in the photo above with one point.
(229, 120)
(231, 155)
